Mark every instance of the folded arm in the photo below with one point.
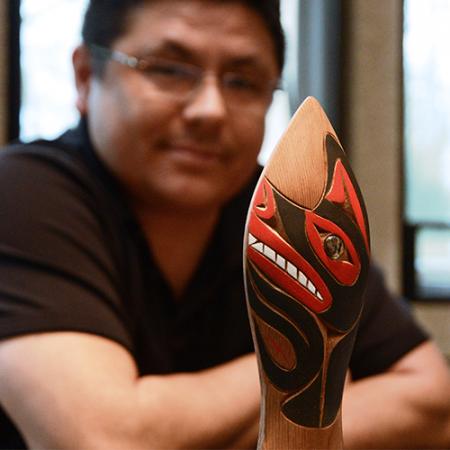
(66, 390)
(408, 406)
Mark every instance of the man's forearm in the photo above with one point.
(218, 407)
(405, 407)
(74, 390)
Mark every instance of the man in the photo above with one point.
(123, 319)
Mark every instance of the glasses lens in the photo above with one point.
(171, 77)
(243, 89)
(179, 80)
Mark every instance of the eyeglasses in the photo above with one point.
(179, 80)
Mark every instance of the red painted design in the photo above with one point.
(290, 285)
(264, 201)
(345, 271)
(282, 355)
(268, 236)
(342, 191)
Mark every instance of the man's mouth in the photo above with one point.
(195, 155)
(198, 148)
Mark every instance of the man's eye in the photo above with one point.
(240, 82)
(168, 70)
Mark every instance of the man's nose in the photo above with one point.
(206, 103)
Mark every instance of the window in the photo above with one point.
(427, 149)
(49, 30)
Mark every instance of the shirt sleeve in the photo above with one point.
(56, 270)
(387, 329)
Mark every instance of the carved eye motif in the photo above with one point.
(334, 247)
(343, 194)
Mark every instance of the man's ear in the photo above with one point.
(82, 66)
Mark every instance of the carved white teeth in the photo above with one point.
(270, 253)
(311, 287)
(285, 265)
(281, 261)
(259, 246)
(292, 270)
(302, 278)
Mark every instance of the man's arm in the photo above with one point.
(78, 390)
(407, 406)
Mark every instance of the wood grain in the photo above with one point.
(304, 296)
(277, 432)
(301, 146)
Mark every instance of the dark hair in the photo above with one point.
(106, 20)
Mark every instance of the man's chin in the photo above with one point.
(198, 201)
(188, 198)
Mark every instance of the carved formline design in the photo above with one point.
(306, 298)
(285, 265)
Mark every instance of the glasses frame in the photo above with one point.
(141, 64)
(106, 53)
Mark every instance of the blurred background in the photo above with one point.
(381, 70)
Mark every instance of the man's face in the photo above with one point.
(195, 153)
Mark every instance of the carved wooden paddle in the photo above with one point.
(306, 257)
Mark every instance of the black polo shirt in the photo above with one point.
(73, 258)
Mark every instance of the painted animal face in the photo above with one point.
(316, 256)
(306, 273)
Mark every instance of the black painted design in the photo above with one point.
(307, 343)
(314, 386)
